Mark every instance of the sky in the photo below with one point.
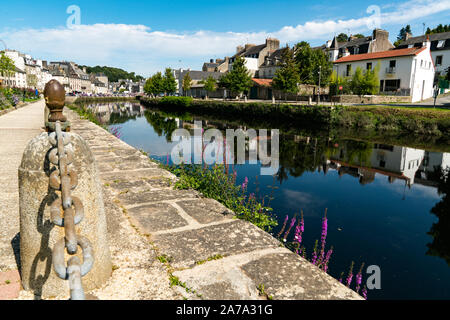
(148, 36)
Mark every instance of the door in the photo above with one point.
(423, 89)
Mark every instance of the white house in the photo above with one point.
(440, 49)
(407, 71)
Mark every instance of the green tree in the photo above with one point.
(304, 61)
(287, 78)
(310, 62)
(359, 36)
(7, 67)
(157, 83)
(169, 82)
(365, 82)
(187, 83)
(342, 37)
(336, 82)
(402, 34)
(239, 79)
(320, 63)
(210, 85)
(148, 86)
(440, 28)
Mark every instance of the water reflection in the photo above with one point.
(379, 196)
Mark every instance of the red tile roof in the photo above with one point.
(263, 82)
(381, 55)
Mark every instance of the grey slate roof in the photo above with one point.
(434, 38)
(197, 75)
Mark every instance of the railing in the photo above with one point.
(390, 70)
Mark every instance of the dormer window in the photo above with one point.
(440, 44)
(356, 50)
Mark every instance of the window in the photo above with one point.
(369, 66)
(392, 85)
(441, 43)
(356, 50)
(438, 60)
(392, 64)
(349, 70)
(421, 63)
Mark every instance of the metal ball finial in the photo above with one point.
(55, 97)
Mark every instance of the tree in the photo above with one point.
(359, 36)
(238, 80)
(158, 83)
(310, 62)
(402, 34)
(187, 83)
(365, 82)
(210, 85)
(7, 67)
(169, 83)
(320, 63)
(148, 86)
(448, 73)
(440, 28)
(287, 78)
(304, 61)
(342, 37)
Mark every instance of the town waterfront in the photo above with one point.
(383, 195)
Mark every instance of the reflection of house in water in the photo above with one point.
(108, 111)
(430, 170)
(392, 161)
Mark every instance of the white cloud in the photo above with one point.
(138, 48)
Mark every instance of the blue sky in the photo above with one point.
(147, 36)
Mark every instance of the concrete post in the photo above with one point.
(38, 234)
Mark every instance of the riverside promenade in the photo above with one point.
(165, 243)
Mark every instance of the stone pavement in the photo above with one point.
(175, 244)
(16, 129)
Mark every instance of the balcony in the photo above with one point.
(390, 70)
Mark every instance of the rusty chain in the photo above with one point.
(65, 179)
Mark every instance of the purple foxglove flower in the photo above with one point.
(358, 278)
(350, 275)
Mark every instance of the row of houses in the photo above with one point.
(410, 69)
(35, 73)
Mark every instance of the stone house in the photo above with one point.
(377, 42)
(255, 55)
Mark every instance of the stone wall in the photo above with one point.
(370, 99)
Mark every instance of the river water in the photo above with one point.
(388, 204)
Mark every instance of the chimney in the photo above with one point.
(407, 36)
(351, 38)
(272, 44)
(84, 69)
(427, 43)
(346, 53)
(248, 46)
(239, 49)
(380, 34)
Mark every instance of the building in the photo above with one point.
(219, 65)
(377, 42)
(440, 49)
(405, 72)
(197, 87)
(271, 64)
(72, 77)
(255, 55)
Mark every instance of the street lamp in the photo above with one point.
(318, 90)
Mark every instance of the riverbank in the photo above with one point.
(100, 99)
(381, 119)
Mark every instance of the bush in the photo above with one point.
(177, 101)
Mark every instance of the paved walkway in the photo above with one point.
(165, 243)
(16, 129)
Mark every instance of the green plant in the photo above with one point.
(214, 182)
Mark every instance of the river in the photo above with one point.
(387, 203)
